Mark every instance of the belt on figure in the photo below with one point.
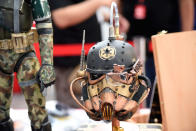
(19, 42)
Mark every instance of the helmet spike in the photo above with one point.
(82, 57)
(82, 72)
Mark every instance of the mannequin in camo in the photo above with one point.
(17, 54)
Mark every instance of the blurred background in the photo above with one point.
(139, 20)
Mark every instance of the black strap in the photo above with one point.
(146, 79)
(85, 92)
(137, 96)
(18, 63)
(16, 16)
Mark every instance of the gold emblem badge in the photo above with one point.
(107, 53)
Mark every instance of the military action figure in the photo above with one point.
(113, 85)
(17, 54)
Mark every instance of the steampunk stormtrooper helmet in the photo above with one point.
(113, 84)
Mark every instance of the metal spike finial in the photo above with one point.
(82, 57)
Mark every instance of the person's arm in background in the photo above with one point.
(187, 14)
(77, 13)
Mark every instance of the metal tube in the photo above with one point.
(114, 30)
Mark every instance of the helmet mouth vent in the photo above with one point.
(107, 111)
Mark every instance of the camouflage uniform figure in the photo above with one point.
(17, 55)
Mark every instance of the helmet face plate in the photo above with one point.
(103, 55)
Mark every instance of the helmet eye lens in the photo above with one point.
(95, 76)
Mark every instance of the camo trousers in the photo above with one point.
(26, 77)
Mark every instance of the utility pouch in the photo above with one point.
(22, 42)
(5, 44)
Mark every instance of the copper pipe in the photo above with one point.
(92, 82)
(76, 100)
(144, 97)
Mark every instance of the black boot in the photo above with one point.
(6, 125)
(46, 126)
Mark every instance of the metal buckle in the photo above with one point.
(19, 41)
